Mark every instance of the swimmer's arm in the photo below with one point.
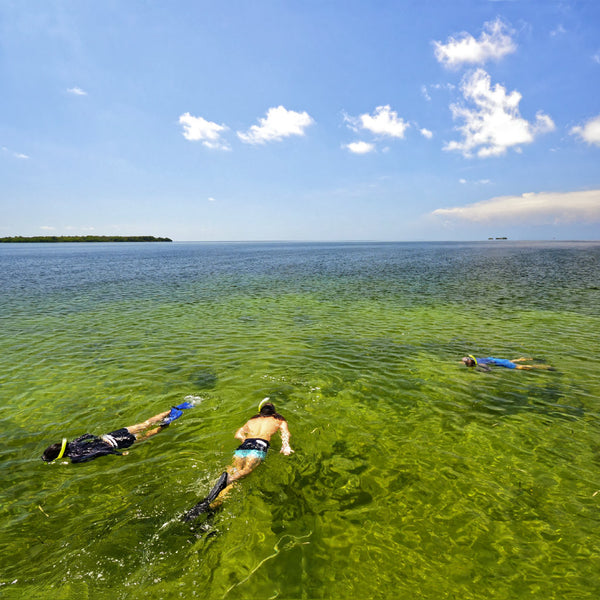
(240, 434)
(285, 439)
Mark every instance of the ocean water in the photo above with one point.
(413, 476)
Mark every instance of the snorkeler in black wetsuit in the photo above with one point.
(88, 446)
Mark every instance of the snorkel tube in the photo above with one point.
(62, 449)
(263, 402)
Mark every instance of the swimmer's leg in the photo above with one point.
(243, 468)
(142, 431)
(238, 469)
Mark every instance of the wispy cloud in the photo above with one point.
(19, 155)
(476, 182)
(197, 129)
(382, 122)
(427, 90)
(277, 125)
(426, 133)
(77, 91)
(589, 132)
(494, 42)
(360, 147)
(541, 208)
(494, 124)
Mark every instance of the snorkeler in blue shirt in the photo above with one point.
(485, 363)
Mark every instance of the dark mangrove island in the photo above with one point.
(83, 238)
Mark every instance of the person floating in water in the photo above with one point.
(484, 363)
(255, 436)
(88, 446)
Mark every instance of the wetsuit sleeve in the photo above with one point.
(87, 447)
(83, 438)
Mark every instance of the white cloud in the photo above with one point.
(278, 124)
(383, 122)
(540, 208)
(495, 124)
(211, 199)
(360, 147)
(77, 91)
(15, 154)
(198, 129)
(596, 57)
(589, 132)
(476, 182)
(426, 133)
(494, 43)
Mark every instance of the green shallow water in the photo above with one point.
(412, 476)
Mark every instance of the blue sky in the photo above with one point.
(304, 120)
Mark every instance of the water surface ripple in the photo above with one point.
(413, 477)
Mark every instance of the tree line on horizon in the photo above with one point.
(84, 238)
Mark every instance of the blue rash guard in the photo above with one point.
(497, 362)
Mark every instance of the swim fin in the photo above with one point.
(176, 412)
(204, 505)
(185, 405)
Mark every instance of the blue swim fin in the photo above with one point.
(184, 405)
(176, 412)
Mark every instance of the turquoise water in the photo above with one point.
(412, 476)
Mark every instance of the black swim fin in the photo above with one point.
(204, 505)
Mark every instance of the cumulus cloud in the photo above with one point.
(197, 129)
(494, 43)
(494, 124)
(77, 91)
(360, 147)
(542, 208)
(278, 124)
(426, 133)
(589, 132)
(383, 122)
